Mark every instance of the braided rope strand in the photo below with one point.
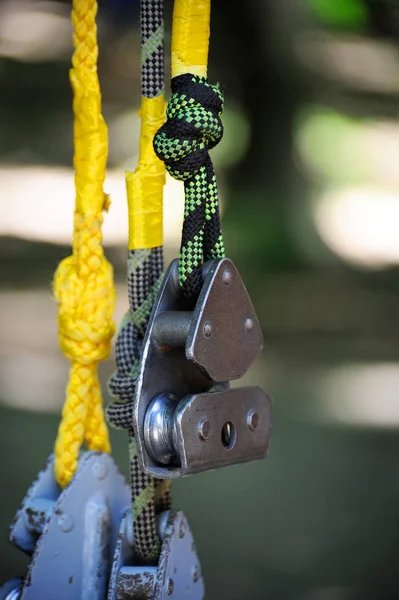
(83, 282)
(152, 47)
(194, 127)
(145, 267)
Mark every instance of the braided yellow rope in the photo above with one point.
(83, 282)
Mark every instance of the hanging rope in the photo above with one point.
(193, 127)
(83, 282)
(145, 266)
(195, 107)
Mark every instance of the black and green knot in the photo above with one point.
(193, 127)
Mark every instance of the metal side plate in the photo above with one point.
(72, 558)
(164, 370)
(126, 580)
(177, 575)
(219, 429)
(44, 487)
(225, 336)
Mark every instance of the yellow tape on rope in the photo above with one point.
(190, 40)
(145, 186)
(83, 282)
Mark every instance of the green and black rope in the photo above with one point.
(194, 127)
(145, 268)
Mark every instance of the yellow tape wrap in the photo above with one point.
(190, 41)
(145, 186)
(83, 282)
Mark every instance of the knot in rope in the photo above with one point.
(85, 320)
(83, 287)
(193, 126)
(86, 296)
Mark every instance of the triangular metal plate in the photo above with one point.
(225, 336)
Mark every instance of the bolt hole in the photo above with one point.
(228, 435)
(253, 420)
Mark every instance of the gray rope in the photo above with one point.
(145, 268)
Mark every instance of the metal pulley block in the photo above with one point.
(186, 419)
(82, 544)
(70, 534)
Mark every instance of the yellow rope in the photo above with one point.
(190, 38)
(83, 282)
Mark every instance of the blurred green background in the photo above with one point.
(309, 184)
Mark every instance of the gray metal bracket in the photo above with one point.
(177, 575)
(217, 429)
(71, 534)
(221, 335)
(190, 352)
(82, 544)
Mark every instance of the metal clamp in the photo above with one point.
(184, 412)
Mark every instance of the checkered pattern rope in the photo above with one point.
(144, 278)
(145, 270)
(194, 127)
(152, 47)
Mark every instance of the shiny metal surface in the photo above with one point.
(222, 337)
(11, 590)
(158, 428)
(230, 441)
(211, 430)
(14, 595)
(164, 371)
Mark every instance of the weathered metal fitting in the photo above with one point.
(208, 431)
(37, 514)
(177, 574)
(71, 533)
(190, 352)
(135, 582)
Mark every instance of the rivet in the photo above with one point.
(182, 529)
(100, 470)
(204, 430)
(196, 573)
(253, 420)
(226, 277)
(207, 329)
(249, 324)
(171, 586)
(65, 522)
